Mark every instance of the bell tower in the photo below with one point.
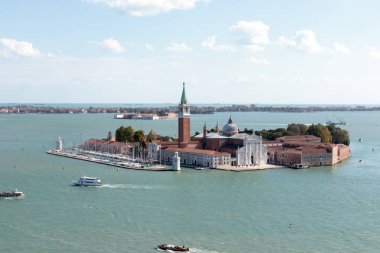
(183, 120)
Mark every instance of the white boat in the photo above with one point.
(300, 166)
(198, 168)
(88, 181)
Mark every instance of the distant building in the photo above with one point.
(140, 116)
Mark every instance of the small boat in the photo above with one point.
(173, 247)
(360, 139)
(360, 161)
(11, 195)
(198, 168)
(300, 166)
(88, 181)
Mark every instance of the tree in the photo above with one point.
(196, 133)
(339, 135)
(128, 132)
(124, 134)
(138, 136)
(109, 136)
(272, 134)
(167, 138)
(118, 134)
(151, 136)
(297, 129)
(321, 131)
(247, 131)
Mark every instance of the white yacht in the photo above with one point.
(88, 181)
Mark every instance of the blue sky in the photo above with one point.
(128, 51)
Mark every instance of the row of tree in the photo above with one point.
(328, 134)
(128, 134)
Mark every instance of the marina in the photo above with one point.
(116, 161)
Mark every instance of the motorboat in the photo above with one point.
(88, 181)
(11, 195)
(173, 247)
(198, 168)
(300, 166)
(360, 139)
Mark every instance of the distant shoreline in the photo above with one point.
(168, 108)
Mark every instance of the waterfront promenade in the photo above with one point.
(248, 168)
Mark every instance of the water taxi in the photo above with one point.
(11, 195)
(88, 181)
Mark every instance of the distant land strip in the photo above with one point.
(22, 109)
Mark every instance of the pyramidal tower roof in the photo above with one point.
(230, 120)
(183, 97)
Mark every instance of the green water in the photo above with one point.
(331, 209)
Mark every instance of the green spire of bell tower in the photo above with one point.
(183, 97)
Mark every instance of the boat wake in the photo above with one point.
(195, 250)
(134, 186)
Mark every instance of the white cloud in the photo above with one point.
(149, 46)
(146, 7)
(112, 45)
(254, 48)
(373, 52)
(210, 43)
(181, 47)
(19, 48)
(304, 40)
(340, 48)
(256, 61)
(251, 32)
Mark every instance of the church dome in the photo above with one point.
(230, 128)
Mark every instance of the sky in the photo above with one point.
(140, 51)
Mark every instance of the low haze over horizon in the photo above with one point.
(242, 52)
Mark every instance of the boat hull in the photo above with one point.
(11, 195)
(81, 184)
(173, 248)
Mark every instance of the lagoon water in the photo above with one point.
(331, 209)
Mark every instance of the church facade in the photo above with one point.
(225, 147)
(245, 149)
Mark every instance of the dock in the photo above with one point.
(118, 164)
